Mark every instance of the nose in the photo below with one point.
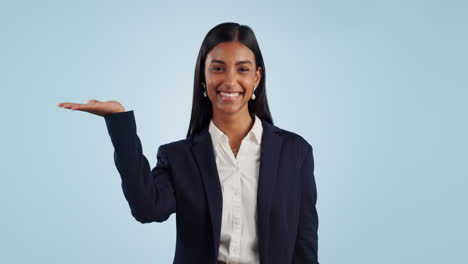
(230, 79)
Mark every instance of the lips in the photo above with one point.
(227, 91)
(229, 95)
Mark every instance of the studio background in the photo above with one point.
(379, 88)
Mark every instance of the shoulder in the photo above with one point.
(175, 151)
(177, 146)
(291, 139)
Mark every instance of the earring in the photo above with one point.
(253, 93)
(204, 93)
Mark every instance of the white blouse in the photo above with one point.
(239, 180)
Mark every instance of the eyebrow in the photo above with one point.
(239, 62)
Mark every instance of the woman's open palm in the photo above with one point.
(95, 107)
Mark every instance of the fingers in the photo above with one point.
(66, 105)
(76, 106)
(93, 101)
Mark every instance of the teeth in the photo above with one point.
(229, 94)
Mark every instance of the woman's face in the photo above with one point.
(231, 76)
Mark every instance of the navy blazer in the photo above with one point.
(185, 181)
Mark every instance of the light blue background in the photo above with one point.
(379, 88)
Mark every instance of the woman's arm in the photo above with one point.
(306, 249)
(150, 193)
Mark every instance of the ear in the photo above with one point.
(258, 75)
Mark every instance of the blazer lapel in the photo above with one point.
(270, 148)
(203, 152)
(269, 159)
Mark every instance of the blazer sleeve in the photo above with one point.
(149, 192)
(306, 247)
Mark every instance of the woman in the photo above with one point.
(243, 190)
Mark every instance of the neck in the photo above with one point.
(236, 125)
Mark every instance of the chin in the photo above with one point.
(229, 109)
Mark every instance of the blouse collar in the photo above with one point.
(255, 132)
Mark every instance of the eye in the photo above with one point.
(244, 69)
(216, 68)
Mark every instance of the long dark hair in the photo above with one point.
(202, 110)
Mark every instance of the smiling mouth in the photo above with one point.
(229, 96)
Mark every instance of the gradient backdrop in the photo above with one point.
(379, 88)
